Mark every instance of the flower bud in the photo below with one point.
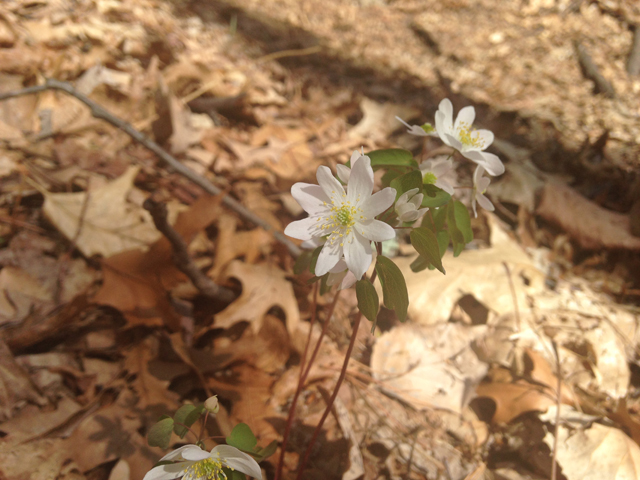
(407, 206)
(211, 404)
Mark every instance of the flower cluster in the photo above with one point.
(346, 219)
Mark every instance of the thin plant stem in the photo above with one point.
(343, 372)
(304, 372)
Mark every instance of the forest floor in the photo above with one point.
(101, 333)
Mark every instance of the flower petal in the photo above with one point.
(403, 209)
(453, 142)
(332, 187)
(357, 254)
(444, 185)
(490, 162)
(485, 137)
(336, 277)
(314, 243)
(195, 453)
(410, 216)
(441, 167)
(378, 202)
(477, 174)
(484, 202)
(176, 454)
(465, 118)
(361, 181)
(343, 172)
(349, 279)
(305, 229)
(446, 107)
(238, 460)
(441, 129)
(375, 230)
(167, 472)
(310, 197)
(329, 256)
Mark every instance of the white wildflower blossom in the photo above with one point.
(407, 206)
(343, 171)
(463, 137)
(433, 172)
(425, 130)
(193, 463)
(347, 219)
(480, 185)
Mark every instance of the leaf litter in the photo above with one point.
(101, 333)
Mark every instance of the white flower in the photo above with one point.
(461, 136)
(425, 130)
(346, 218)
(340, 275)
(480, 185)
(197, 464)
(407, 206)
(433, 171)
(343, 171)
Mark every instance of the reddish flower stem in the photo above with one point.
(304, 373)
(343, 373)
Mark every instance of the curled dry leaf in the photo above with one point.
(101, 220)
(595, 453)
(136, 282)
(263, 287)
(428, 365)
(589, 224)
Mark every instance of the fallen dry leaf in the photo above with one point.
(590, 225)
(104, 222)
(136, 282)
(20, 293)
(595, 453)
(263, 287)
(428, 366)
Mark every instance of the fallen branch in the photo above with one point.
(181, 256)
(101, 113)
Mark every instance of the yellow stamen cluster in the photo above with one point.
(341, 219)
(469, 136)
(207, 469)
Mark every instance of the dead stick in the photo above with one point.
(590, 70)
(101, 113)
(182, 258)
(633, 62)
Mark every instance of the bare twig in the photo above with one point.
(554, 459)
(101, 113)
(590, 70)
(633, 62)
(182, 258)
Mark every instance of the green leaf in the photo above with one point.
(233, 474)
(434, 197)
(426, 244)
(187, 415)
(368, 302)
(406, 182)
(422, 263)
(324, 285)
(392, 157)
(457, 237)
(267, 451)
(389, 175)
(314, 259)
(160, 434)
(394, 288)
(463, 220)
(242, 437)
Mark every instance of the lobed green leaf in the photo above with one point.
(368, 302)
(434, 197)
(242, 437)
(160, 433)
(392, 157)
(394, 287)
(186, 415)
(406, 182)
(426, 244)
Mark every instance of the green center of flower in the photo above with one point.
(469, 137)
(207, 469)
(429, 178)
(341, 219)
(345, 215)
